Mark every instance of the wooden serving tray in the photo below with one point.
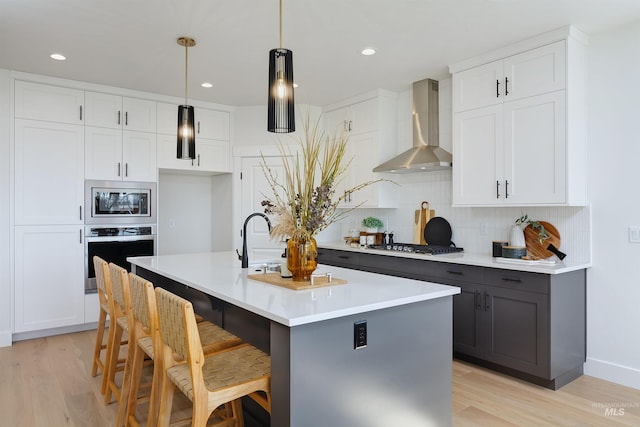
(536, 249)
(276, 279)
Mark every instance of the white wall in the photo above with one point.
(5, 217)
(613, 343)
(186, 214)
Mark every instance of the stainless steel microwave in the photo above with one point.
(120, 202)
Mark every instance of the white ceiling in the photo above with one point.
(132, 43)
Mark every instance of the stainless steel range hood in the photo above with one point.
(425, 155)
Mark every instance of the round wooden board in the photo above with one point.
(538, 250)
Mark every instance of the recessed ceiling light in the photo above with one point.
(368, 51)
(207, 85)
(58, 57)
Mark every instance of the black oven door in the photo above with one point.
(115, 251)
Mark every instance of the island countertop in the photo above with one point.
(220, 275)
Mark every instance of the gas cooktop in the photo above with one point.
(417, 249)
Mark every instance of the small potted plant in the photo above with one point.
(372, 224)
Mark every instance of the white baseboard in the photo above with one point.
(5, 339)
(618, 374)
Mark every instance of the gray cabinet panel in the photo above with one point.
(516, 328)
(467, 318)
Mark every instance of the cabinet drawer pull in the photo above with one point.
(118, 168)
(497, 88)
(512, 279)
(198, 160)
(80, 214)
(126, 118)
(343, 257)
(119, 113)
(497, 189)
(506, 86)
(457, 273)
(198, 127)
(506, 189)
(81, 113)
(80, 235)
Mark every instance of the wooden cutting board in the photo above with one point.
(538, 250)
(276, 279)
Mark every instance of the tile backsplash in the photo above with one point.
(473, 228)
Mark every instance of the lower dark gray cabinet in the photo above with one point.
(529, 325)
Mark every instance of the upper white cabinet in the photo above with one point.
(112, 154)
(117, 112)
(49, 103)
(354, 119)
(120, 138)
(519, 127)
(370, 124)
(49, 173)
(213, 149)
(534, 72)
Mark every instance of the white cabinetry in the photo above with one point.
(49, 173)
(519, 128)
(49, 198)
(117, 112)
(369, 122)
(213, 150)
(120, 138)
(49, 103)
(49, 286)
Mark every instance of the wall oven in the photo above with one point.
(120, 222)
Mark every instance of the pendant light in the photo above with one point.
(280, 115)
(186, 128)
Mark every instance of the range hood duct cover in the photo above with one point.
(425, 155)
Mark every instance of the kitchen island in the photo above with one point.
(400, 376)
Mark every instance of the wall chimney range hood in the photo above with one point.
(425, 155)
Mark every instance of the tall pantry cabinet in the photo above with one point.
(48, 207)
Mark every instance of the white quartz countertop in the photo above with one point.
(481, 260)
(219, 274)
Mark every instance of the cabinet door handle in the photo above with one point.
(81, 213)
(487, 297)
(477, 299)
(497, 88)
(118, 168)
(81, 113)
(506, 189)
(457, 273)
(80, 235)
(497, 189)
(198, 160)
(506, 86)
(198, 127)
(126, 118)
(512, 279)
(350, 125)
(126, 169)
(119, 113)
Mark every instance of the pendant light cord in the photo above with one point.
(186, 74)
(280, 24)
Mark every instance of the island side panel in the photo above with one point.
(402, 377)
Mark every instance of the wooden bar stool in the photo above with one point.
(117, 328)
(208, 381)
(144, 321)
(103, 284)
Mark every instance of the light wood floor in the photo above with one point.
(47, 382)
